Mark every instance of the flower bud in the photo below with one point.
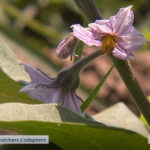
(67, 46)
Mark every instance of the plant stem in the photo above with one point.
(125, 70)
(123, 67)
(89, 9)
(79, 65)
(69, 78)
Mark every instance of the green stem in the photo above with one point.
(89, 9)
(125, 70)
(79, 65)
(69, 78)
(123, 67)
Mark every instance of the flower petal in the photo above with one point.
(131, 40)
(39, 93)
(131, 56)
(120, 54)
(36, 75)
(85, 35)
(104, 26)
(55, 96)
(122, 21)
(73, 103)
(99, 31)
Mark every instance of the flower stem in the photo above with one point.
(69, 78)
(89, 9)
(125, 70)
(79, 65)
(123, 67)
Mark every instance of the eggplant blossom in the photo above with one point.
(52, 90)
(116, 35)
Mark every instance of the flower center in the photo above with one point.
(108, 44)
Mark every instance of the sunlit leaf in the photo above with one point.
(43, 112)
(10, 63)
(119, 115)
(58, 124)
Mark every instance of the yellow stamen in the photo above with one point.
(108, 44)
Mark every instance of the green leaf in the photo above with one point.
(50, 146)
(80, 136)
(95, 91)
(42, 112)
(120, 116)
(9, 91)
(69, 136)
(9, 63)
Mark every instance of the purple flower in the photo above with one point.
(49, 95)
(116, 35)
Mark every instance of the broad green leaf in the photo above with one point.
(41, 112)
(10, 63)
(9, 91)
(70, 136)
(95, 91)
(120, 116)
(50, 146)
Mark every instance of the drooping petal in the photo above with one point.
(36, 75)
(131, 40)
(55, 96)
(73, 103)
(49, 95)
(40, 93)
(84, 35)
(122, 21)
